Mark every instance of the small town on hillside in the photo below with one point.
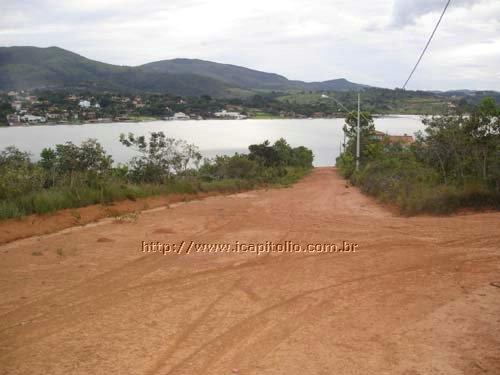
(27, 108)
(44, 108)
(54, 108)
(34, 107)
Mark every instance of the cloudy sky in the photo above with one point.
(374, 42)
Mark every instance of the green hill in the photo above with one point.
(53, 67)
(31, 67)
(232, 75)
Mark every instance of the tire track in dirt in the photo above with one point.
(265, 298)
(214, 348)
(50, 318)
(191, 327)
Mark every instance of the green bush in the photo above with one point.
(72, 176)
(18, 175)
(455, 164)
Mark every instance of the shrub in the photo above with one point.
(161, 157)
(71, 176)
(18, 175)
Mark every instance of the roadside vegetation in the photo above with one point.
(71, 176)
(454, 163)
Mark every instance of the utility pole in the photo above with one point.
(358, 133)
(343, 144)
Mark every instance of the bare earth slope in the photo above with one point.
(415, 298)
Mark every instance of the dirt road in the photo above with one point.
(414, 298)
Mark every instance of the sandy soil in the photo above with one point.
(417, 297)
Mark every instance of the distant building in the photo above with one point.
(53, 116)
(378, 135)
(31, 119)
(230, 115)
(137, 102)
(324, 96)
(404, 139)
(89, 115)
(13, 120)
(84, 104)
(17, 105)
(178, 116)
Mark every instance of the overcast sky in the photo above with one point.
(374, 42)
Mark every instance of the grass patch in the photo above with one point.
(51, 200)
(260, 115)
(416, 189)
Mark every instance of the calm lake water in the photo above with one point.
(213, 137)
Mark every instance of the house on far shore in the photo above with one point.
(179, 116)
(31, 119)
(404, 139)
(13, 120)
(84, 104)
(379, 136)
(230, 115)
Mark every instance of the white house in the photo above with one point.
(13, 119)
(31, 119)
(17, 105)
(178, 116)
(230, 115)
(84, 104)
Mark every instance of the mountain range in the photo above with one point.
(24, 68)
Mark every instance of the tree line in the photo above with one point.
(454, 162)
(70, 175)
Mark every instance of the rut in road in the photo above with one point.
(415, 298)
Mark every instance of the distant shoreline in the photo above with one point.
(191, 121)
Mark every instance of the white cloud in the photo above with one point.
(406, 12)
(375, 43)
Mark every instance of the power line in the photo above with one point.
(347, 110)
(427, 45)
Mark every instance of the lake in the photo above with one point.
(213, 137)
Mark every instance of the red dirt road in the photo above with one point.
(415, 298)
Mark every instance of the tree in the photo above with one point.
(367, 130)
(161, 157)
(18, 175)
(264, 154)
(283, 151)
(464, 149)
(483, 126)
(89, 160)
(5, 110)
(366, 125)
